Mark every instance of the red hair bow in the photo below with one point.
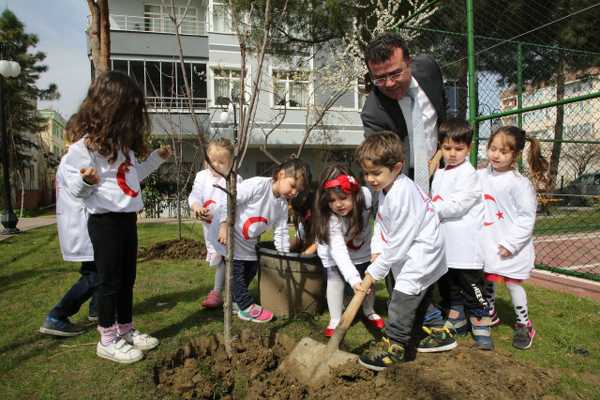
(345, 182)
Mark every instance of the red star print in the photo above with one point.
(500, 215)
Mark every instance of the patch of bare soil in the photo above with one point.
(174, 250)
(201, 370)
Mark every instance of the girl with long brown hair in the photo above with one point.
(109, 131)
(343, 234)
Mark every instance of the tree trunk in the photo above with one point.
(231, 204)
(559, 123)
(104, 65)
(22, 193)
(99, 35)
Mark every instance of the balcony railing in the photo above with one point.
(176, 104)
(158, 24)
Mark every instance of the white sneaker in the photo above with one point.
(139, 340)
(119, 351)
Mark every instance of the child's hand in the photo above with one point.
(205, 215)
(310, 250)
(374, 256)
(359, 289)
(504, 253)
(223, 234)
(165, 152)
(90, 176)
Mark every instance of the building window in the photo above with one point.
(291, 88)
(221, 18)
(226, 83)
(163, 82)
(157, 19)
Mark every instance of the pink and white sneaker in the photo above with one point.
(213, 300)
(255, 313)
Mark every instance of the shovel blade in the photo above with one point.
(311, 362)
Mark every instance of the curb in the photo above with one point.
(569, 284)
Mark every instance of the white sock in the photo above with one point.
(335, 296)
(519, 301)
(220, 276)
(489, 292)
(368, 306)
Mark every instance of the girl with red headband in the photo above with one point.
(343, 235)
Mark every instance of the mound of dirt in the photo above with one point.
(174, 250)
(201, 370)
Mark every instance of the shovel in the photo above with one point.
(311, 362)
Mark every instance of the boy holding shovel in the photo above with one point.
(408, 242)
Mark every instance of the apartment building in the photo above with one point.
(143, 44)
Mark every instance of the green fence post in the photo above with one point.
(472, 83)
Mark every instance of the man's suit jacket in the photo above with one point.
(382, 113)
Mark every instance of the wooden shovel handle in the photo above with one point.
(350, 313)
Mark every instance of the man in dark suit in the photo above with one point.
(396, 76)
(406, 89)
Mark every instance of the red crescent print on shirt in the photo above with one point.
(206, 204)
(122, 182)
(499, 214)
(249, 222)
(350, 244)
(436, 198)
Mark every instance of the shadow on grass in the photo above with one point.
(15, 280)
(167, 301)
(29, 235)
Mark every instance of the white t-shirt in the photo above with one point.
(407, 237)
(456, 198)
(258, 210)
(119, 187)
(205, 194)
(341, 251)
(510, 210)
(71, 213)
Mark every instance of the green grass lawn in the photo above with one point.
(568, 220)
(33, 277)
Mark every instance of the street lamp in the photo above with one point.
(8, 69)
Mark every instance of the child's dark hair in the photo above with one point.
(457, 130)
(323, 198)
(222, 143)
(382, 48)
(382, 149)
(112, 117)
(296, 168)
(514, 139)
(302, 213)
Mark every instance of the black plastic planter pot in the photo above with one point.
(289, 283)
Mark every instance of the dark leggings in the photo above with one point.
(114, 238)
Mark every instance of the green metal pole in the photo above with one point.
(472, 84)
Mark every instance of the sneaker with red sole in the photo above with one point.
(213, 300)
(328, 332)
(376, 321)
(255, 313)
(523, 336)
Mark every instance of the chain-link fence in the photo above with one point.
(534, 64)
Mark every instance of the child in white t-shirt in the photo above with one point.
(204, 200)
(262, 203)
(343, 235)
(507, 233)
(456, 198)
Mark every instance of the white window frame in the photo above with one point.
(165, 22)
(309, 81)
(211, 7)
(211, 83)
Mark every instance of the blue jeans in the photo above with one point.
(243, 273)
(80, 292)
